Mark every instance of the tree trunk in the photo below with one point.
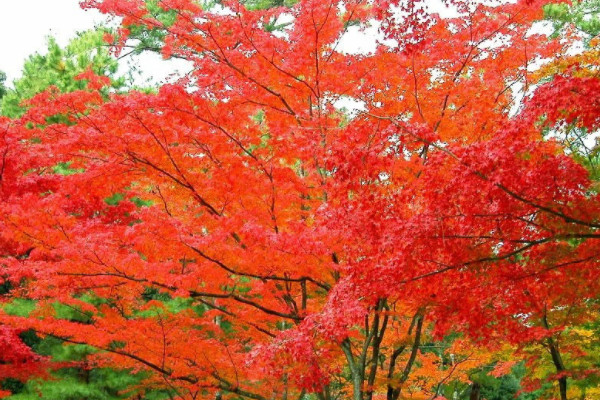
(557, 360)
(394, 393)
(357, 376)
(475, 391)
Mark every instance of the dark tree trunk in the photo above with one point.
(475, 391)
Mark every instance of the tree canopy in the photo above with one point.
(59, 67)
(238, 234)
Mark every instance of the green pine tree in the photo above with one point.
(59, 67)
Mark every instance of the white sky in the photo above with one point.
(26, 24)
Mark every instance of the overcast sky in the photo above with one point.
(26, 24)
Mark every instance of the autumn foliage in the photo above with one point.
(236, 234)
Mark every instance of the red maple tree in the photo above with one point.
(307, 250)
